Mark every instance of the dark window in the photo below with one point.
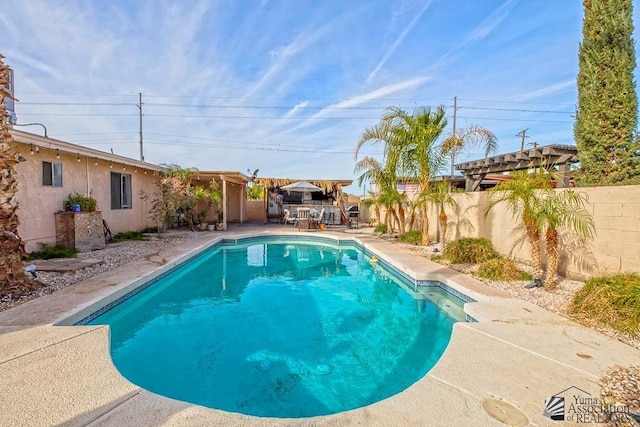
(120, 191)
(52, 174)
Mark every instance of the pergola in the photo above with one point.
(560, 157)
(233, 186)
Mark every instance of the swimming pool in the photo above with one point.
(282, 329)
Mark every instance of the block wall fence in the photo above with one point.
(615, 248)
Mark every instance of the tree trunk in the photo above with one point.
(386, 220)
(551, 241)
(401, 218)
(13, 279)
(393, 217)
(443, 227)
(534, 239)
(376, 209)
(412, 219)
(425, 224)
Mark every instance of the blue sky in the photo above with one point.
(287, 86)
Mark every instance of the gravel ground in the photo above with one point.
(620, 384)
(114, 255)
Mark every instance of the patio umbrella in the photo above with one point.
(302, 186)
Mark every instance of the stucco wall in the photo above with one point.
(38, 203)
(615, 248)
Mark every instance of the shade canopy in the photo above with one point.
(301, 186)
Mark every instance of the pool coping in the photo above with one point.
(517, 352)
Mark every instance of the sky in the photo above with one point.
(288, 87)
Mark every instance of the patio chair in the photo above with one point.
(319, 219)
(304, 218)
(288, 218)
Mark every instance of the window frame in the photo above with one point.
(122, 183)
(55, 178)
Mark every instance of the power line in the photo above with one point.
(518, 110)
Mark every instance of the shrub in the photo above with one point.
(612, 300)
(469, 250)
(501, 268)
(129, 235)
(411, 237)
(436, 258)
(381, 228)
(53, 251)
(149, 230)
(86, 203)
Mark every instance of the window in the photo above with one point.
(120, 191)
(52, 174)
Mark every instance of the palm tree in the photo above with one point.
(12, 276)
(387, 195)
(523, 199)
(412, 147)
(563, 210)
(441, 196)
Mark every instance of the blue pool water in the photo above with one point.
(280, 330)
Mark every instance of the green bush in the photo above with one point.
(411, 237)
(381, 228)
(129, 235)
(469, 251)
(436, 258)
(149, 230)
(53, 251)
(86, 203)
(501, 268)
(611, 300)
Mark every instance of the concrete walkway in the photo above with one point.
(508, 363)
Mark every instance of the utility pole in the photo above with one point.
(453, 149)
(523, 134)
(140, 116)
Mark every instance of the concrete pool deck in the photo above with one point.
(510, 361)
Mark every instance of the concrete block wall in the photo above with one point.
(615, 248)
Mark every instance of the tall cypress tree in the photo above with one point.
(607, 113)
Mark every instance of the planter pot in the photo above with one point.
(202, 226)
(211, 227)
(220, 226)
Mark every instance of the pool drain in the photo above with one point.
(323, 369)
(263, 365)
(504, 412)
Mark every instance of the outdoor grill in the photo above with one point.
(353, 215)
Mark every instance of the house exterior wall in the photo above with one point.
(39, 203)
(615, 248)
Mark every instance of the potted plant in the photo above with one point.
(220, 224)
(79, 203)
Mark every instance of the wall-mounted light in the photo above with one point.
(37, 150)
(31, 149)
(18, 157)
(57, 154)
(95, 161)
(124, 167)
(135, 170)
(145, 172)
(110, 164)
(78, 159)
